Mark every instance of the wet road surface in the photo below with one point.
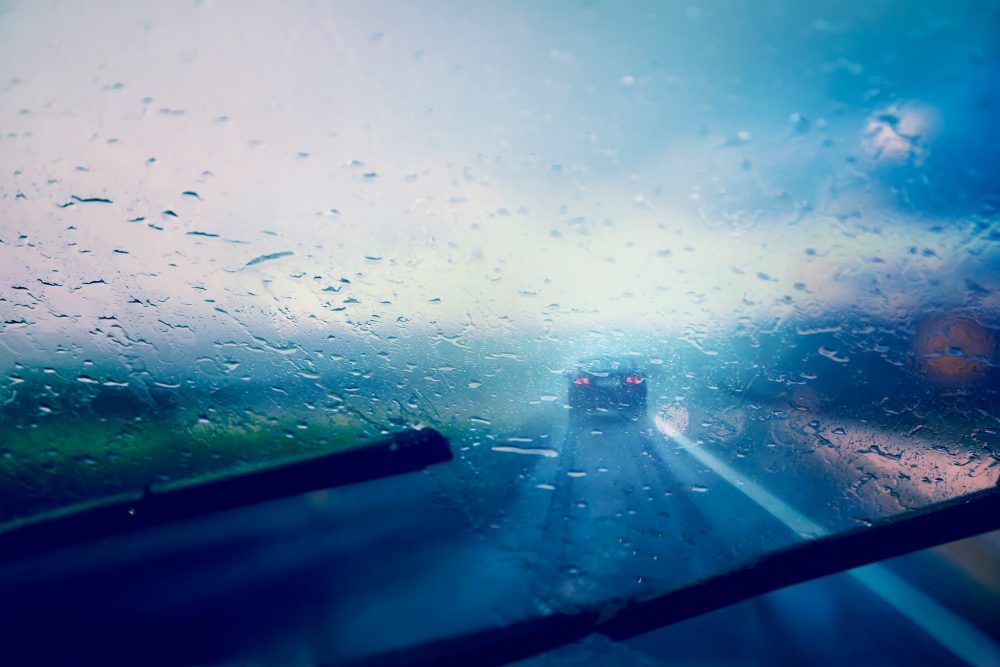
(608, 510)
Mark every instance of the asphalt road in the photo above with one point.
(603, 511)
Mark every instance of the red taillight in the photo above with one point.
(633, 379)
(581, 381)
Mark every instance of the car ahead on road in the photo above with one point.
(607, 387)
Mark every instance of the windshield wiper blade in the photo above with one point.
(961, 518)
(403, 452)
(916, 530)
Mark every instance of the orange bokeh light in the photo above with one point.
(954, 350)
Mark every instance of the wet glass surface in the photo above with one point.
(230, 235)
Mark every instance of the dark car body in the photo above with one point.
(607, 387)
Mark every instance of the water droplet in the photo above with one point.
(548, 453)
(91, 200)
(268, 258)
(832, 355)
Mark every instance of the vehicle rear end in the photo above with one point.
(607, 388)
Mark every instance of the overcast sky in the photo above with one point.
(576, 164)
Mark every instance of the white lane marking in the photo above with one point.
(952, 631)
(948, 628)
(803, 526)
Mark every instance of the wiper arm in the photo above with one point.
(928, 527)
(407, 451)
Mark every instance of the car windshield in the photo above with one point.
(233, 233)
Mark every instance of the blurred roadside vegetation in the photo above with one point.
(66, 441)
